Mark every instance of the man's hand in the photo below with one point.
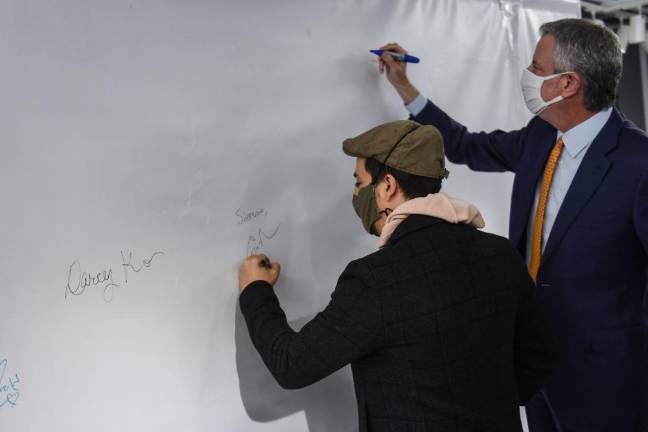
(258, 267)
(397, 72)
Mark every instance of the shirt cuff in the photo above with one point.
(416, 106)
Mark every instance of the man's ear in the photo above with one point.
(571, 84)
(391, 186)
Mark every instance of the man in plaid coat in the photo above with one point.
(441, 325)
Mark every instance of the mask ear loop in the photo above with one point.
(387, 212)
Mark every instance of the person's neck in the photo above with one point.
(570, 116)
(393, 205)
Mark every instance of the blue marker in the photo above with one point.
(398, 57)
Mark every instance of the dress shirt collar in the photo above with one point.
(581, 136)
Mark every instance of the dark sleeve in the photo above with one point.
(347, 329)
(495, 151)
(641, 212)
(535, 348)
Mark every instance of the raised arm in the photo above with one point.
(496, 151)
(347, 329)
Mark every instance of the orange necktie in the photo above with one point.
(547, 178)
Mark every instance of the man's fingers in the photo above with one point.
(258, 268)
(264, 261)
(260, 257)
(260, 260)
(252, 259)
(394, 47)
(389, 47)
(388, 60)
(276, 268)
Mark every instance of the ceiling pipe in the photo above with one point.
(617, 6)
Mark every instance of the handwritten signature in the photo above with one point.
(244, 217)
(128, 264)
(9, 392)
(255, 242)
(78, 281)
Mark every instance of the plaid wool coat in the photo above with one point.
(441, 327)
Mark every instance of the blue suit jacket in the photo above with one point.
(594, 267)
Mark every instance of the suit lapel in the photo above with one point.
(527, 178)
(589, 176)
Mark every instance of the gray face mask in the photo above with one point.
(365, 206)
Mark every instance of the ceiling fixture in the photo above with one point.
(637, 29)
(609, 12)
(624, 37)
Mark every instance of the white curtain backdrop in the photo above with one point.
(148, 146)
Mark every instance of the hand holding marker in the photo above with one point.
(265, 262)
(397, 56)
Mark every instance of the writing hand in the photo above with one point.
(396, 72)
(258, 267)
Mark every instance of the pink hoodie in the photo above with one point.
(438, 205)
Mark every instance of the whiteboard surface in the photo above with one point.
(148, 146)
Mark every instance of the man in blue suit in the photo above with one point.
(579, 215)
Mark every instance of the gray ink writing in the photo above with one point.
(244, 217)
(9, 389)
(79, 281)
(256, 242)
(127, 263)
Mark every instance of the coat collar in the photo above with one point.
(580, 137)
(410, 225)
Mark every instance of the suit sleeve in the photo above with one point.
(535, 348)
(641, 212)
(496, 151)
(347, 329)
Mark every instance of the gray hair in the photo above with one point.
(592, 51)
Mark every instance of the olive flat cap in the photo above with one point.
(404, 145)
